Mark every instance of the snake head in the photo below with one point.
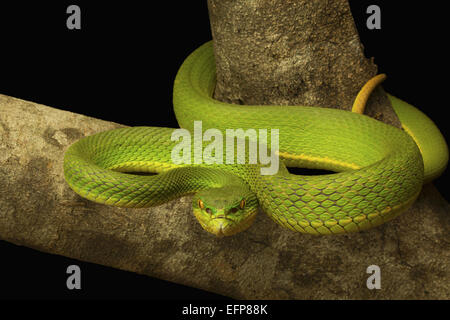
(225, 211)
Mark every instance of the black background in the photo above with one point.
(120, 67)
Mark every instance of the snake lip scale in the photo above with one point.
(379, 169)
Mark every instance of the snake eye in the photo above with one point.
(208, 210)
(242, 204)
(200, 204)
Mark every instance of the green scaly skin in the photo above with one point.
(380, 170)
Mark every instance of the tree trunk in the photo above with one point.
(296, 52)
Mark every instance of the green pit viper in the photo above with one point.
(379, 169)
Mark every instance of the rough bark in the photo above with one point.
(295, 52)
(39, 210)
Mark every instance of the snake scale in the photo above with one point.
(379, 169)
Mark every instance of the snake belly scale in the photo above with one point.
(379, 169)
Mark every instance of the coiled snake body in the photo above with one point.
(379, 169)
